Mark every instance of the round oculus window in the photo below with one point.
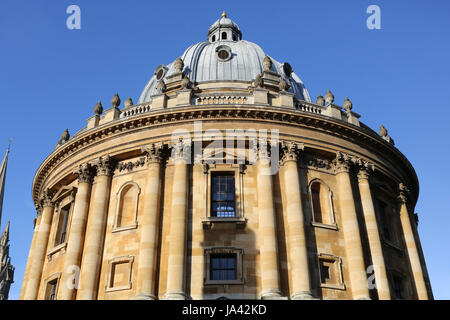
(160, 74)
(223, 53)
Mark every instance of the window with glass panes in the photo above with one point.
(52, 289)
(222, 195)
(223, 267)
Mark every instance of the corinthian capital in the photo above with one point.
(181, 150)
(290, 150)
(46, 199)
(153, 152)
(84, 173)
(365, 169)
(403, 192)
(343, 162)
(105, 166)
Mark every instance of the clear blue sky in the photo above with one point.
(51, 78)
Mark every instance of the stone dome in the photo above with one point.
(225, 57)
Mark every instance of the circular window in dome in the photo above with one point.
(160, 71)
(287, 69)
(223, 53)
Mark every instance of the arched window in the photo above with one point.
(234, 37)
(322, 203)
(224, 36)
(213, 38)
(127, 206)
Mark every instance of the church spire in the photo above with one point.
(3, 166)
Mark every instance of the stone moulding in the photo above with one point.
(359, 135)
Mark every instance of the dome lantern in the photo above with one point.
(224, 29)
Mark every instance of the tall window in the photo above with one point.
(127, 207)
(384, 220)
(223, 202)
(51, 289)
(224, 36)
(223, 267)
(321, 204)
(61, 234)
(398, 287)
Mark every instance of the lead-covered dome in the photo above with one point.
(224, 57)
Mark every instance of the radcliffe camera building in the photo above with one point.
(226, 181)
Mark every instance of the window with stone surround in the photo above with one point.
(63, 221)
(119, 273)
(387, 215)
(127, 205)
(224, 187)
(51, 287)
(64, 202)
(330, 272)
(398, 284)
(223, 197)
(223, 265)
(321, 199)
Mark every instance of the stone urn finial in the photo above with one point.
(320, 100)
(186, 83)
(347, 105)
(115, 101)
(161, 87)
(65, 136)
(98, 109)
(329, 97)
(284, 86)
(383, 131)
(178, 65)
(258, 82)
(267, 63)
(128, 103)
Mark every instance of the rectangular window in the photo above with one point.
(223, 201)
(382, 208)
(397, 287)
(51, 289)
(62, 225)
(223, 267)
(324, 273)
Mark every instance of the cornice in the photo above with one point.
(363, 135)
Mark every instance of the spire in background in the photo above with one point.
(6, 268)
(2, 179)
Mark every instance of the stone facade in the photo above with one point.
(134, 201)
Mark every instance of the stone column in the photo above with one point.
(373, 234)
(38, 254)
(30, 254)
(95, 232)
(178, 222)
(298, 253)
(149, 226)
(69, 279)
(411, 246)
(352, 239)
(270, 278)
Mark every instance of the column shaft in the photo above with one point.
(177, 246)
(270, 279)
(38, 255)
(352, 239)
(30, 258)
(76, 236)
(298, 253)
(149, 234)
(376, 251)
(413, 253)
(95, 233)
